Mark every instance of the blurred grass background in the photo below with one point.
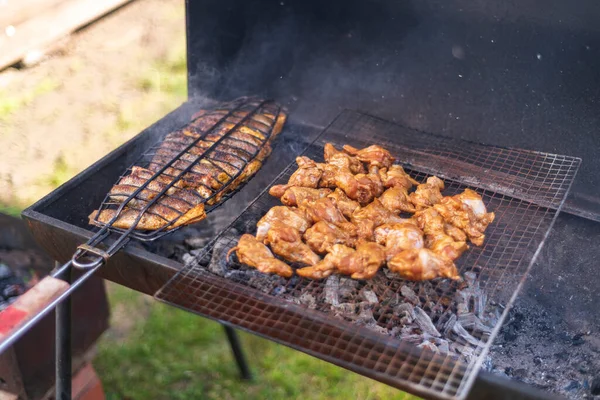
(152, 351)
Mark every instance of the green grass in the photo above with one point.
(11, 209)
(168, 76)
(9, 103)
(172, 354)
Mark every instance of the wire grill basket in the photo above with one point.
(451, 324)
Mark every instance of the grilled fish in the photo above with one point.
(194, 167)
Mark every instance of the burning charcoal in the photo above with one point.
(464, 337)
(5, 271)
(188, 259)
(308, 300)
(467, 352)
(279, 290)
(406, 313)
(428, 346)
(572, 386)
(595, 386)
(13, 291)
(470, 321)
(409, 295)
(218, 263)
(196, 242)
(391, 275)
(238, 275)
(3, 304)
(365, 314)
(470, 277)
(265, 283)
(332, 290)
(424, 322)
(345, 309)
(347, 287)
(449, 324)
(443, 346)
(369, 296)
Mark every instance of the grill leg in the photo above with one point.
(63, 346)
(238, 353)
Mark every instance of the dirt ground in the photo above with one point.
(107, 83)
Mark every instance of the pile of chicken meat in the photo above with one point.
(359, 212)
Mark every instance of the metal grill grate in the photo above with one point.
(379, 337)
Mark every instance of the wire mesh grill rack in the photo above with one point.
(525, 189)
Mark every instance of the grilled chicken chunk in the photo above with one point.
(328, 265)
(296, 195)
(292, 217)
(364, 262)
(345, 204)
(399, 237)
(342, 160)
(396, 200)
(422, 265)
(251, 252)
(436, 237)
(370, 217)
(287, 242)
(187, 181)
(307, 175)
(395, 176)
(466, 212)
(428, 193)
(323, 235)
(373, 155)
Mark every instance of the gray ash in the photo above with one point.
(538, 347)
(445, 317)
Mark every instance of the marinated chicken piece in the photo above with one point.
(422, 265)
(188, 182)
(455, 233)
(322, 236)
(253, 253)
(292, 217)
(342, 160)
(395, 176)
(467, 212)
(325, 210)
(373, 155)
(399, 237)
(427, 194)
(373, 182)
(287, 243)
(345, 204)
(297, 195)
(370, 217)
(327, 265)
(360, 187)
(396, 200)
(433, 226)
(364, 262)
(307, 175)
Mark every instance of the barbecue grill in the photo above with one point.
(500, 74)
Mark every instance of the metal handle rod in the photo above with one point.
(63, 349)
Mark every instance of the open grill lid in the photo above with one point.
(515, 74)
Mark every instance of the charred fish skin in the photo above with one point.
(212, 156)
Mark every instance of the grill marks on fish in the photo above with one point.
(217, 165)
